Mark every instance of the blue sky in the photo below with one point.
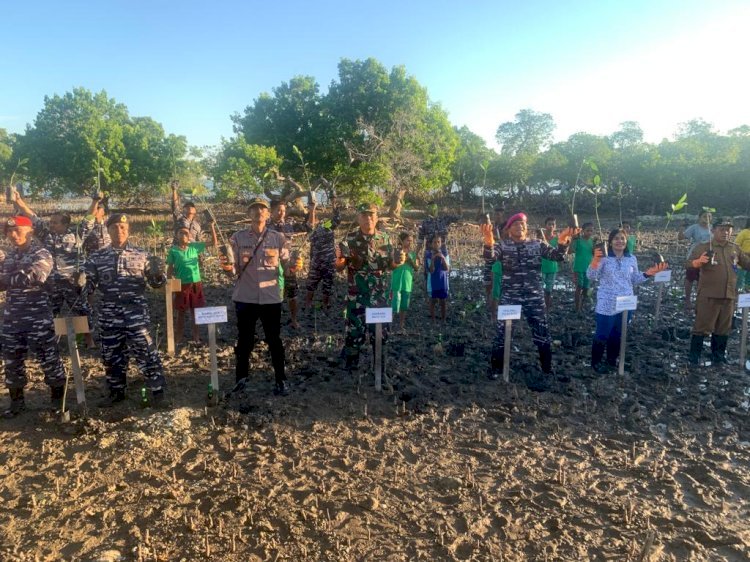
(190, 65)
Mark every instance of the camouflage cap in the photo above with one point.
(258, 201)
(117, 218)
(367, 208)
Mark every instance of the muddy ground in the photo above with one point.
(443, 465)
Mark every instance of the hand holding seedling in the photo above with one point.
(489, 238)
(598, 255)
(701, 261)
(563, 239)
(297, 265)
(654, 269)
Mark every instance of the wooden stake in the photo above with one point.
(743, 340)
(214, 369)
(378, 357)
(659, 296)
(171, 286)
(623, 341)
(69, 327)
(506, 351)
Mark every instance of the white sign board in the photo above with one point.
(509, 312)
(663, 276)
(626, 303)
(378, 315)
(211, 315)
(743, 300)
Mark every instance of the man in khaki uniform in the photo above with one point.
(258, 253)
(717, 260)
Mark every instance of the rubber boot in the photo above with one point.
(496, 363)
(613, 352)
(115, 396)
(597, 356)
(56, 393)
(17, 403)
(696, 346)
(719, 349)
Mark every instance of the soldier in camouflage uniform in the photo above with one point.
(434, 225)
(367, 254)
(522, 284)
(65, 281)
(279, 223)
(27, 319)
(120, 273)
(322, 257)
(187, 218)
(93, 228)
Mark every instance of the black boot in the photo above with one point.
(719, 349)
(17, 403)
(696, 346)
(496, 363)
(56, 393)
(115, 396)
(241, 363)
(597, 356)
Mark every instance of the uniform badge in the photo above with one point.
(10, 223)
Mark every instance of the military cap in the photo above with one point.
(259, 202)
(117, 218)
(723, 221)
(18, 220)
(367, 208)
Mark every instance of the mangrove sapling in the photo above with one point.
(681, 204)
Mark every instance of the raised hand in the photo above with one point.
(487, 235)
(654, 269)
(598, 255)
(699, 262)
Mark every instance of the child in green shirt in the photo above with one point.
(497, 281)
(583, 247)
(183, 261)
(632, 238)
(402, 278)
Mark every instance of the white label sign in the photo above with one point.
(509, 312)
(743, 300)
(626, 303)
(663, 276)
(211, 315)
(378, 315)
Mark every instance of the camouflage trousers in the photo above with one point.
(321, 273)
(357, 330)
(291, 286)
(42, 342)
(65, 291)
(536, 315)
(121, 343)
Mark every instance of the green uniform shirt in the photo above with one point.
(185, 262)
(584, 251)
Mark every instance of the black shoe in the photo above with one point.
(719, 349)
(56, 393)
(158, 399)
(17, 403)
(538, 382)
(114, 397)
(239, 386)
(493, 375)
(601, 368)
(281, 389)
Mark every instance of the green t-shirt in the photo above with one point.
(497, 280)
(402, 277)
(185, 262)
(631, 244)
(550, 266)
(584, 251)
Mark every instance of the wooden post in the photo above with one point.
(214, 368)
(657, 311)
(69, 327)
(506, 351)
(744, 304)
(378, 357)
(623, 341)
(171, 286)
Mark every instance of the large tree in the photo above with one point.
(530, 133)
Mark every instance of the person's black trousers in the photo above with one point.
(247, 317)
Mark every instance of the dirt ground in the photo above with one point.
(443, 465)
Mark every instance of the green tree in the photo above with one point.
(6, 157)
(628, 136)
(241, 169)
(528, 134)
(472, 157)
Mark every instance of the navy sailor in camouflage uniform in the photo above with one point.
(120, 273)
(27, 318)
(279, 223)
(522, 284)
(368, 256)
(322, 257)
(93, 227)
(64, 283)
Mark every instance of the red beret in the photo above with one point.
(18, 220)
